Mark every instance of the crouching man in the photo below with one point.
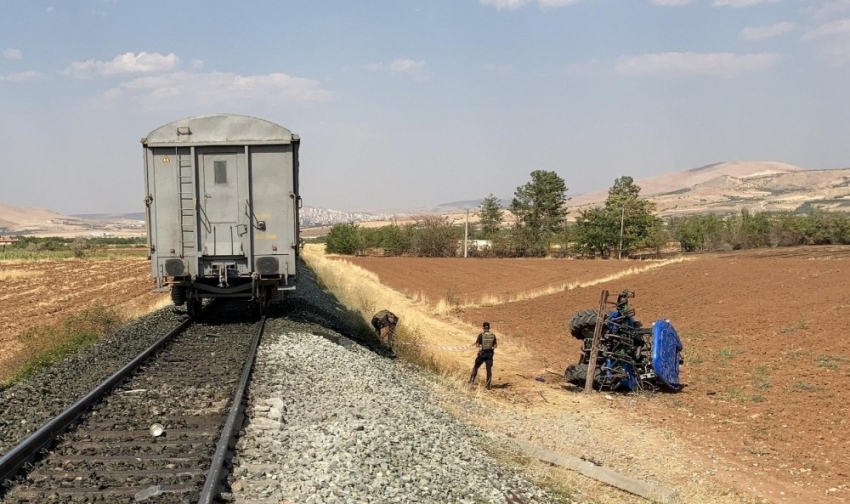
(384, 323)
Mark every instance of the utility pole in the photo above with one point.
(466, 235)
(622, 221)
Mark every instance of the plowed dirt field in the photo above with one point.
(767, 358)
(37, 293)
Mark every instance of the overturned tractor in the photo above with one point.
(629, 356)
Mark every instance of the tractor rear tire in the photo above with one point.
(577, 374)
(178, 295)
(583, 324)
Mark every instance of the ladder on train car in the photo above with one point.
(186, 206)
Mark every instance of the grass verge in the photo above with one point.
(438, 343)
(53, 255)
(43, 346)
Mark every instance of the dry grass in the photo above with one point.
(136, 311)
(423, 334)
(447, 305)
(18, 274)
(44, 345)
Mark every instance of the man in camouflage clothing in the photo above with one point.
(384, 323)
(486, 343)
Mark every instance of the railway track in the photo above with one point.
(161, 431)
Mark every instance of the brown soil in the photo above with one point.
(38, 293)
(766, 361)
(470, 279)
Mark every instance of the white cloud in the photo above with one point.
(217, 89)
(402, 66)
(741, 3)
(831, 9)
(11, 53)
(506, 4)
(498, 69)
(28, 76)
(555, 3)
(764, 32)
(127, 63)
(836, 54)
(410, 68)
(832, 28)
(690, 63)
(519, 4)
(671, 3)
(406, 66)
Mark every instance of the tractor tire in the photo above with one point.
(577, 374)
(583, 324)
(178, 295)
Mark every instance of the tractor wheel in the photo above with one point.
(577, 374)
(583, 324)
(178, 295)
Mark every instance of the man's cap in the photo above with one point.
(487, 325)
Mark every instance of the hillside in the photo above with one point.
(43, 222)
(676, 181)
(826, 189)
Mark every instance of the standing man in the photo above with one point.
(486, 343)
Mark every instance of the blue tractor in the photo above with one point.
(630, 357)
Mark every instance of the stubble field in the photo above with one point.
(767, 361)
(43, 292)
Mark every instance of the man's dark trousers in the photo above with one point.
(484, 357)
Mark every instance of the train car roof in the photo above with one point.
(221, 129)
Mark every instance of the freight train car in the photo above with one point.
(221, 207)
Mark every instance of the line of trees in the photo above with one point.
(33, 243)
(624, 225)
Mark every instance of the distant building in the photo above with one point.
(5, 241)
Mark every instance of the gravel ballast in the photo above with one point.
(27, 406)
(337, 423)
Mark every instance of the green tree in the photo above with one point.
(344, 239)
(397, 240)
(625, 218)
(637, 216)
(539, 207)
(596, 232)
(435, 236)
(490, 216)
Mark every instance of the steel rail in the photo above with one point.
(13, 460)
(228, 432)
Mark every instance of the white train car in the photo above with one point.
(222, 202)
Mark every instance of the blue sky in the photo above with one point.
(414, 103)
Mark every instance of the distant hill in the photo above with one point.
(43, 222)
(22, 218)
(137, 216)
(789, 191)
(677, 181)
